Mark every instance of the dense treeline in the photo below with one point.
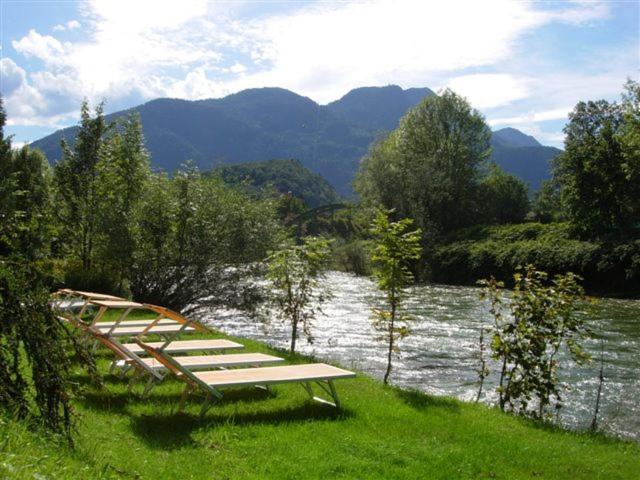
(125, 229)
(282, 176)
(433, 169)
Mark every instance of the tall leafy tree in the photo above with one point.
(427, 168)
(598, 171)
(7, 185)
(394, 248)
(504, 197)
(77, 177)
(35, 367)
(123, 174)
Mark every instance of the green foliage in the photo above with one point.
(25, 207)
(352, 256)
(599, 170)
(198, 241)
(77, 180)
(503, 198)
(394, 249)
(427, 168)
(610, 268)
(284, 177)
(123, 171)
(546, 206)
(296, 273)
(529, 330)
(35, 370)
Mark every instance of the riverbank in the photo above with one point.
(382, 432)
(440, 356)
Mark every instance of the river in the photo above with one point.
(440, 356)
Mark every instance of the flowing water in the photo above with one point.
(440, 356)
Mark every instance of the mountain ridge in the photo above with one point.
(268, 123)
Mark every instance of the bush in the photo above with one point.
(35, 369)
(352, 256)
(95, 280)
(611, 267)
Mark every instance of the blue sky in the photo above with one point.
(522, 64)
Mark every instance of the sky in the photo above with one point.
(523, 64)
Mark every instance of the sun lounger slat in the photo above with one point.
(285, 374)
(116, 303)
(156, 330)
(90, 295)
(217, 361)
(185, 346)
(136, 323)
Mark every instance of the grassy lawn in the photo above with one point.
(382, 432)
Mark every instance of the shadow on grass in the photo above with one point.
(174, 430)
(421, 401)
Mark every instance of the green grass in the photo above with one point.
(382, 432)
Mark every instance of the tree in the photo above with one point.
(528, 332)
(77, 179)
(546, 205)
(599, 171)
(296, 274)
(7, 185)
(427, 168)
(394, 247)
(198, 242)
(123, 171)
(35, 367)
(503, 197)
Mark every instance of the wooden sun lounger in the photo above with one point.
(63, 299)
(167, 323)
(212, 381)
(156, 370)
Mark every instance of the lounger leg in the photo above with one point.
(183, 397)
(334, 393)
(331, 391)
(308, 389)
(113, 366)
(148, 387)
(208, 403)
(135, 377)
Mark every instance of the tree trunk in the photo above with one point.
(391, 326)
(294, 334)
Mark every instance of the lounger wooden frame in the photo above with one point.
(167, 323)
(211, 386)
(127, 359)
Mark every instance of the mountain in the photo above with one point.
(266, 123)
(510, 137)
(522, 156)
(284, 176)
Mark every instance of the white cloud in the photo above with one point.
(486, 90)
(533, 117)
(11, 76)
(196, 49)
(44, 47)
(70, 25)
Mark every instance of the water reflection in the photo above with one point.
(441, 354)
